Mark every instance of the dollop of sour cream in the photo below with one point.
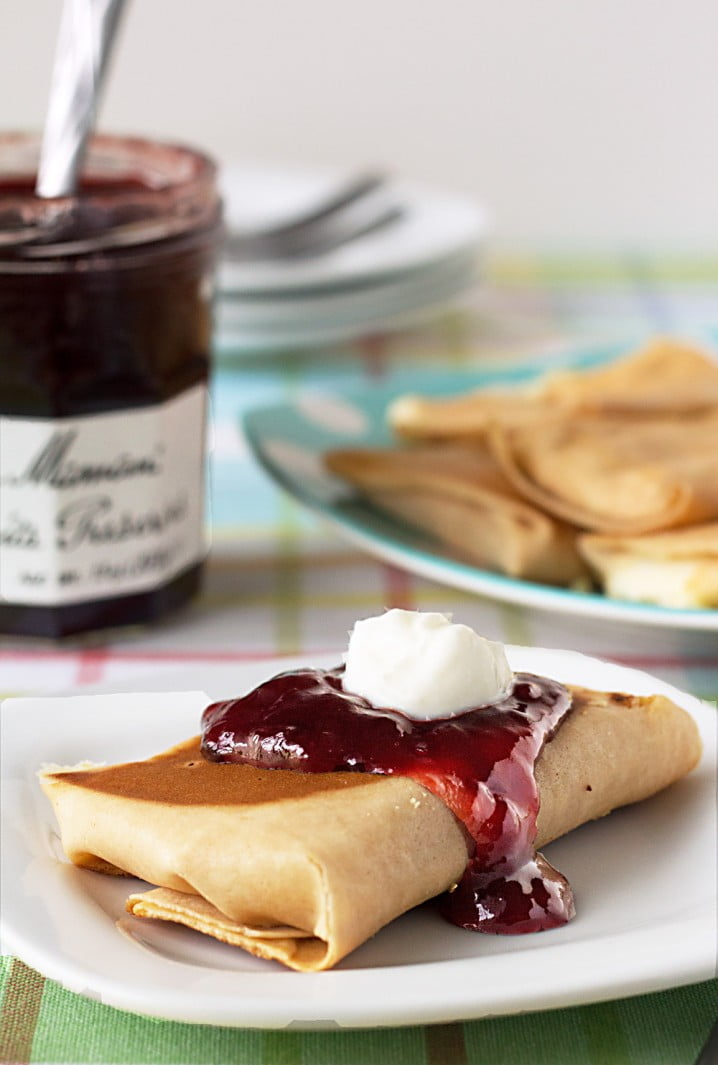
(424, 665)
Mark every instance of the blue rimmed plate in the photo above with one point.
(290, 439)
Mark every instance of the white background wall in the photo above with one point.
(581, 123)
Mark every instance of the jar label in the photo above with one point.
(101, 506)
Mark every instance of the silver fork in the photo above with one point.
(364, 204)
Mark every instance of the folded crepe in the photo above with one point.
(663, 377)
(616, 475)
(459, 495)
(467, 416)
(301, 867)
(678, 568)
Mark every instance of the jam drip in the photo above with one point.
(480, 763)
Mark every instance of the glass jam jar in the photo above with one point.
(105, 322)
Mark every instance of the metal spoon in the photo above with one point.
(87, 32)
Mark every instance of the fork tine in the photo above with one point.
(346, 196)
(325, 238)
(353, 209)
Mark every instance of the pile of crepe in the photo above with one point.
(607, 475)
(302, 867)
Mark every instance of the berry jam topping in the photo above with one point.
(480, 763)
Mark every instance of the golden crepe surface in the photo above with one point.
(614, 475)
(665, 376)
(674, 568)
(337, 855)
(459, 495)
(303, 867)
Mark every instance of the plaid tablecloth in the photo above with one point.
(278, 583)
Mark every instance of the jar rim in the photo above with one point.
(133, 191)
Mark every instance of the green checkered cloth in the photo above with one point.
(43, 1023)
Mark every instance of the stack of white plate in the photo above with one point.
(386, 279)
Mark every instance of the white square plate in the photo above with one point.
(644, 880)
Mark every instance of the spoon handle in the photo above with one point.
(87, 30)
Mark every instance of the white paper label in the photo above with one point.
(101, 506)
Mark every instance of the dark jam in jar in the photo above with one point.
(105, 316)
(480, 763)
